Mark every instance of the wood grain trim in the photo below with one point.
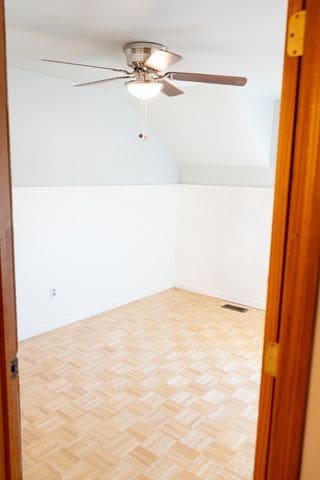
(302, 267)
(278, 241)
(10, 406)
(2, 437)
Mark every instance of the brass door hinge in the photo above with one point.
(271, 358)
(295, 37)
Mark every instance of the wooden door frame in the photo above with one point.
(293, 273)
(294, 260)
(10, 432)
(302, 267)
(288, 108)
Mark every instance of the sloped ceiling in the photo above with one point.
(209, 125)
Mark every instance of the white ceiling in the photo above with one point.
(237, 37)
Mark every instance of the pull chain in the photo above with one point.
(143, 118)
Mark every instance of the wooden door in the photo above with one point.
(10, 435)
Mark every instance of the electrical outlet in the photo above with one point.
(53, 293)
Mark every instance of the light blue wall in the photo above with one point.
(61, 135)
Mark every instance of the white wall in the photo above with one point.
(223, 238)
(99, 247)
(61, 135)
(227, 176)
(256, 110)
(102, 246)
(261, 116)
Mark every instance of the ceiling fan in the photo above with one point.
(147, 78)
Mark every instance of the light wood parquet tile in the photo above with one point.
(165, 388)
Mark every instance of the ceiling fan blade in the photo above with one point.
(206, 78)
(160, 60)
(170, 90)
(101, 81)
(85, 65)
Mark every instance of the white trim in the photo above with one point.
(249, 302)
(64, 322)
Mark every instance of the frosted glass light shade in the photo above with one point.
(144, 89)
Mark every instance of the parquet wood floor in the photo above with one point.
(165, 388)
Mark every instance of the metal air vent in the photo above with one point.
(235, 308)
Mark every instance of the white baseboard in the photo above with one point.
(62, 322)
(76, 317)
(249, 302)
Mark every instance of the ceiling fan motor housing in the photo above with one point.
(137, 53)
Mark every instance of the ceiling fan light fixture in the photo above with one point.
(144, 89)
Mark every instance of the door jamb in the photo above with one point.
(292, 304)
(10, 431)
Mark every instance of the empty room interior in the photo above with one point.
(143, 141)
